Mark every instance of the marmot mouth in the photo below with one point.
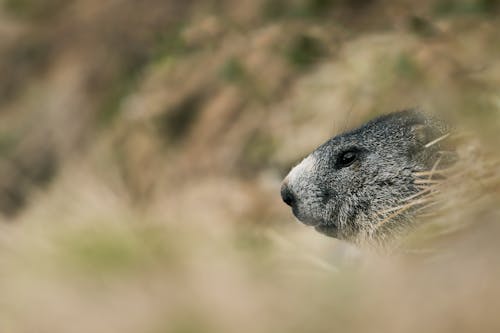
(308, 220)
(330, 230)
(305, 218)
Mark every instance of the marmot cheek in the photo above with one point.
(327, 195)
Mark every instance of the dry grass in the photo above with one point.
(140, 163)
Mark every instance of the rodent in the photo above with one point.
(352, 186)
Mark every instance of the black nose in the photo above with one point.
(287, 195)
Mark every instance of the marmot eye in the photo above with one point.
(347, 158)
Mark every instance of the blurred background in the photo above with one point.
(142, 146)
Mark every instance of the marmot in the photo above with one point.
(358, 185)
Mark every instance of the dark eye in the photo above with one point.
(347, 158)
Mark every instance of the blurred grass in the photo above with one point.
(115, 252)
(304, 51)
(33, 9)
(163, 130)
(233, 71)
(446, 7)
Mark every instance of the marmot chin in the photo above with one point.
(352, 186)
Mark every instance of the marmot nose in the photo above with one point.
(287, 195)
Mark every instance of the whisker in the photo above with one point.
(433, 142)
(423, 208)
(431, 190)
(398, 211)
(430, 172)
(390, 217)
(434, 167)
(407, 205)
(426, 181)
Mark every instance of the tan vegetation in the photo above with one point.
(142, 145)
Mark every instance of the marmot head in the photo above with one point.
(351, 185)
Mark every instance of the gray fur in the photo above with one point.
(356, 202)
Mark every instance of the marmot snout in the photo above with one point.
(349, 185)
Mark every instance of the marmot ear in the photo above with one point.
(428, 142)
(422, 134)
